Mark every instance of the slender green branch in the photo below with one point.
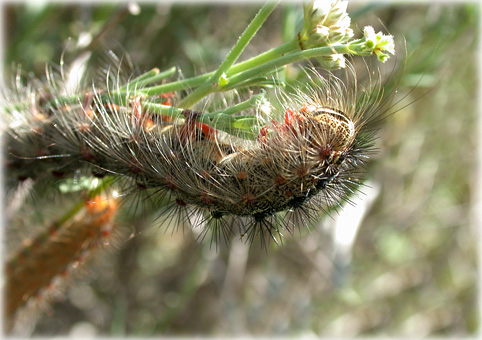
(142, 77)
(242, 126)
(244, 39)
(248, 104)
(163, 109)
(265, 57)
(274, 53)
(288, 59)
(176, 85)
(150, 77)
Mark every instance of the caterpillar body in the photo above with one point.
(308, 156)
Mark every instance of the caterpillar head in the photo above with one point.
(331, 132)
(338, 130)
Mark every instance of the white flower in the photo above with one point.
(379, 43)
(325, 22)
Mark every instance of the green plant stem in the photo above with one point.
(287, 59)
(248, 104)
(142, 77)
(150, 77)
(176, 85)
(163, 109)
(265, 57)
(213, 82)
(259, 65)
(274, 53)
(222, 120)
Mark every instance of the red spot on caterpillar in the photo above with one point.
(106, 233)
(302, 171)
(263, 134)
(248, 199)
(206, 198)
(280, 180)
(112, 107)
(325, 152)
(292, 117)
(83, 127)
(167, 99)
(264, 131)
(89, 113)
(205, 174)
(242, 175)
(139, 116)
(165, 118)
(209, 132)
(180, 202)
(169, 182)
(192, 130)
(307, 109)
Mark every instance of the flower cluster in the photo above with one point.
(379, 43)
(373, 43)
(325, 23)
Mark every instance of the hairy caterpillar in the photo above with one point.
(307, 157)
(47, 261)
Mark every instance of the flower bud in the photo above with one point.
(332, 62)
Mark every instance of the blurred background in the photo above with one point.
(408, 268)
